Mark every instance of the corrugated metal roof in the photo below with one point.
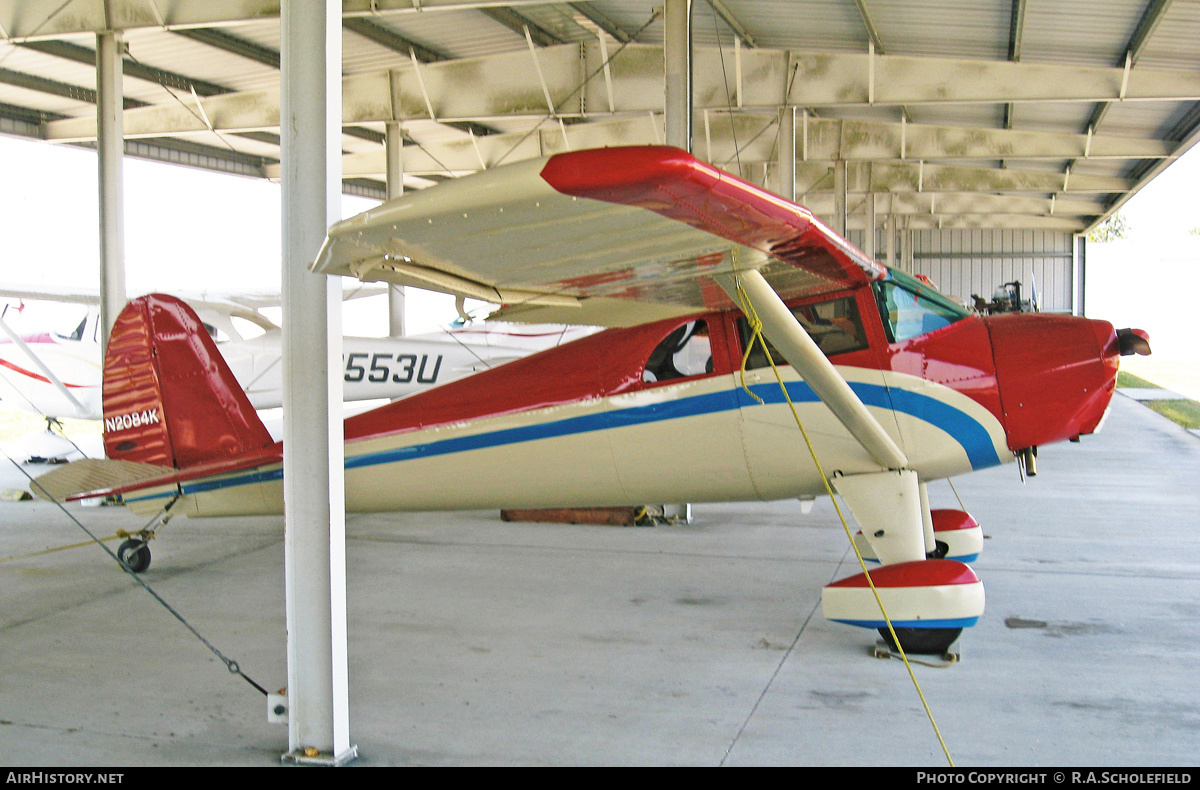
(965, 102)
(980, 29)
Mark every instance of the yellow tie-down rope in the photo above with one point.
(59, 548)
(756, 335)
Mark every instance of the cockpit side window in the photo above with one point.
(835, 326)
(910, 309)
(683, 353)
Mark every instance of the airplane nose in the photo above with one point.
(1106, 338)
(1056, 375)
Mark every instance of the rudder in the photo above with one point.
(169, 397)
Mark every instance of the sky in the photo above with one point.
(185, 230)
(1146, 279)
(193, 230)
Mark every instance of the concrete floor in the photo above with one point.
(478, 642)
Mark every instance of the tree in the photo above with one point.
(1110, 229)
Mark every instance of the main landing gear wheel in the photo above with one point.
(922, 641)
(135, 554)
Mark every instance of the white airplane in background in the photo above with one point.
(58, 373)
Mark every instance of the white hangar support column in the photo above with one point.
(313, 482)
(677, 58)
(110, 149)
(787, 153)
(394, 148)
(677, 113)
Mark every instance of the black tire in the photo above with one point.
(922, 641)
(135, 554)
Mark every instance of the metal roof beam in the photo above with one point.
(364, 187)
(869, 24)
(189, 154)
(1016, 36)
(363, 133)
(987, 222)
(589, 12)
(1075, 205)
(925, 177)
(23, 121)
(1149, 22)
(503, 87)
(130, 67)
(386, 37)
(244, 164)
(876, 41)
(1016, 30)
(235, 45)
(94, 16)
(732, 21)
(1151, 18)
(402, 45)
(519, 23)
(827, 141)
(54, 88)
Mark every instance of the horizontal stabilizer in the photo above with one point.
(90, 474)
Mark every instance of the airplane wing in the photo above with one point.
(612, 237)
(245, 304)
(260, 301)
(49, 293)
(618, 237)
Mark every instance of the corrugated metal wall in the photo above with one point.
(963, 262)
(966, 262)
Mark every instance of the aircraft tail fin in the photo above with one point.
(169, 397)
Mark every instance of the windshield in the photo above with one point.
(910, 307)
(70, 313)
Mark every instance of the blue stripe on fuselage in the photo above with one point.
(966, 430)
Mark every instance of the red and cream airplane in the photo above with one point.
(891, 383)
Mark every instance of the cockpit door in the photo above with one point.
(847, 327)
(675, 435)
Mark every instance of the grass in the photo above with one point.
(1185, 412)
(1182, 411)
(1136, 382)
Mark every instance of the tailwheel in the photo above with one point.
(135, 554)
(922, 641)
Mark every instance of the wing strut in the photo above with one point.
(802, 353)
(50, 377)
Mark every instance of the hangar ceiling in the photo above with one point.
(1025, 114)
